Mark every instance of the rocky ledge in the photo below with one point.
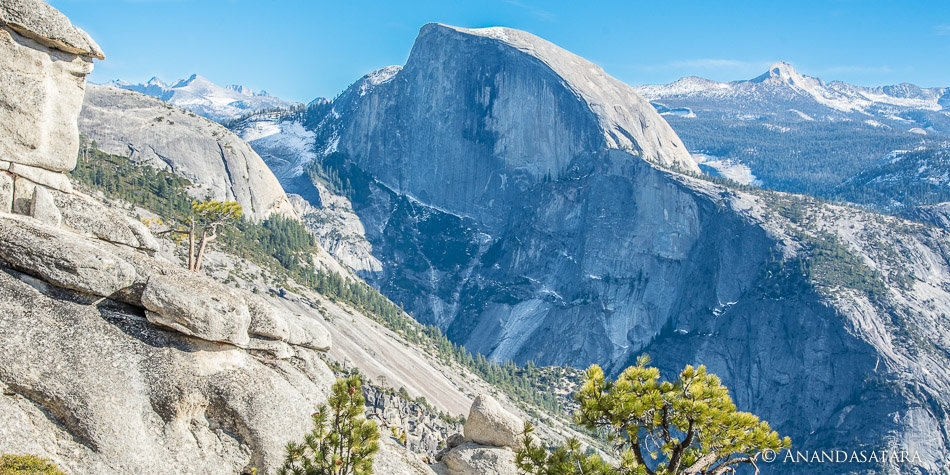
(113, 360)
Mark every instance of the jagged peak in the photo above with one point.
(194, 78)
(155, 81)
(241, 89)
(782, 69)
(782, 72)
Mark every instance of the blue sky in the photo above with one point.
(299, 50)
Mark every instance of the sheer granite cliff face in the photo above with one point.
(517, 199)
(478, 116)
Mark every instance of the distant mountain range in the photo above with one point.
(782, 92)
(793, 132)
(206, 98)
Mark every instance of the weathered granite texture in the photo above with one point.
(149, 131)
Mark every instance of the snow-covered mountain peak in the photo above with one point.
(151, 82)
(194, 80)
(784, 72)
(797, 91)
(198, 94)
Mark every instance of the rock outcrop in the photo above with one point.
(490, 424)
(938, 214)
(149, 131)
(61, 259)
(115, 394)
(492, 434)
(45, 62)
(113, 360)
(193, 305)
(425, 431)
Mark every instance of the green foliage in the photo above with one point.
(530, 385)
(688, 426)
(340, 176)
(212, 211)
(278, 244)
(27, 465)
(160, 191)
(342, 441)
(568, 459)
(831, 264)
(910, 179)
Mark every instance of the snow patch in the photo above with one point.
(803, 115)
(375, 78)
(726, 168)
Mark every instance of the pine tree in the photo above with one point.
(342, 442)
(689, 426)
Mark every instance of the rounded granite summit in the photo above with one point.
(44, 24)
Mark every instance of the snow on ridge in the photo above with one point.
(727, 168)
(684, 86)
(285, 145)
(836, 95)
(377, 77)
(206, 98)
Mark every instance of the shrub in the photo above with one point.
(27, 465)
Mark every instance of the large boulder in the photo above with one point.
(37, 20)
(473, 459)
(45, 62)
(195, 305)
(266, 319)
(308, 333)
(61, 258)
(490, 424)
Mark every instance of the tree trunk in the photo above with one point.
(191, 246)
(205, 239)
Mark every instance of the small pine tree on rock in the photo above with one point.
(342, 442)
